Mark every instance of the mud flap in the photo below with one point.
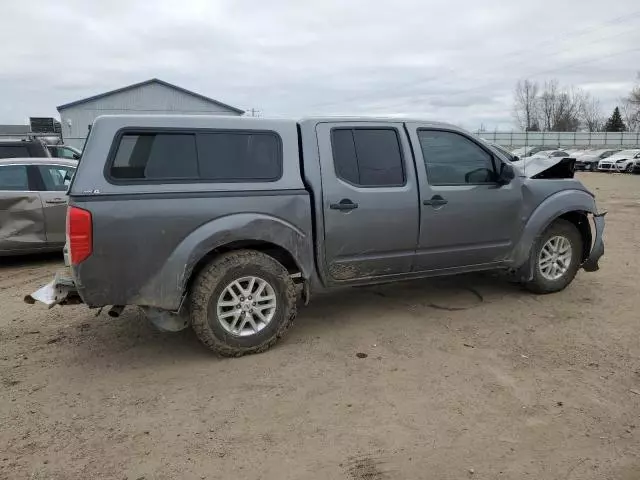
(166, 321)
(591, 264)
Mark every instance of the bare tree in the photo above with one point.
(560, 108)
(566, 116)
(631, 108)
(555, 108)
(591, 113)
(630, 114)
(526, 104)
(548, 100)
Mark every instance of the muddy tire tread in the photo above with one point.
(207, 281)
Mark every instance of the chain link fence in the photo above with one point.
(564, 139)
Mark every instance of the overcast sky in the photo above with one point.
(455, 61)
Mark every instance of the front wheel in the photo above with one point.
(556, 258)
(242, 302)
(629, 168)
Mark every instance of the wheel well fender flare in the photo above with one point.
(571, 205)
(275, 236)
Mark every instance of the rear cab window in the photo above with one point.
(155, 156)
(196, 156)
(368, 157)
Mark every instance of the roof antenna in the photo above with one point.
(526, 154)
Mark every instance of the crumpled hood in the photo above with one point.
(542, 167)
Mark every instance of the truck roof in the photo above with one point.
(376, 119)
(202, 120)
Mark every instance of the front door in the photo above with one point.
(467, 218)
(55, 181)
(370, 200)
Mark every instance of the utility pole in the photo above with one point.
(254, 113)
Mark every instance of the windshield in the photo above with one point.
(504, 151)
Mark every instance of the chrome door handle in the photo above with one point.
(55, 201)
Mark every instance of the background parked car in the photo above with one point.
(576, 152)
(589, 160)
(551, 154)
(64, 151)
(620, 162)
(33, 203)
(527, 151)
(22, 148)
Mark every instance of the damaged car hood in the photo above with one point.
(542, 167)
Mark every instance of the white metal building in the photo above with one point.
(150, 97)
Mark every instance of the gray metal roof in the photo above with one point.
(148, 82)
(14, 129)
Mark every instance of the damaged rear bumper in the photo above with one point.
(597, 250)
(60, 291)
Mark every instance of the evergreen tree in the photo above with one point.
(615, 123)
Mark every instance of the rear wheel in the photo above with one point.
(242, 303)
(556, 258)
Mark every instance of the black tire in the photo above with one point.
(540, 284)
(629, 168)
(592, 167)
(215, 277)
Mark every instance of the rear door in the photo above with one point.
(21, 215)
(467, 219)
(370, 199)
(53, 193)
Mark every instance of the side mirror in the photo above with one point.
(76, 156)
(515, 158)
(506, 173)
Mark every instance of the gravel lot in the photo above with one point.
(472, 378)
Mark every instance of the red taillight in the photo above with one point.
(79, 234)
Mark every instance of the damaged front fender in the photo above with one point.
(554, 206)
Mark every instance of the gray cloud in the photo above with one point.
(454, 61)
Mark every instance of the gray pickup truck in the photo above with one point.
(225, 223)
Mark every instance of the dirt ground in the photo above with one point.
(472, 378)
